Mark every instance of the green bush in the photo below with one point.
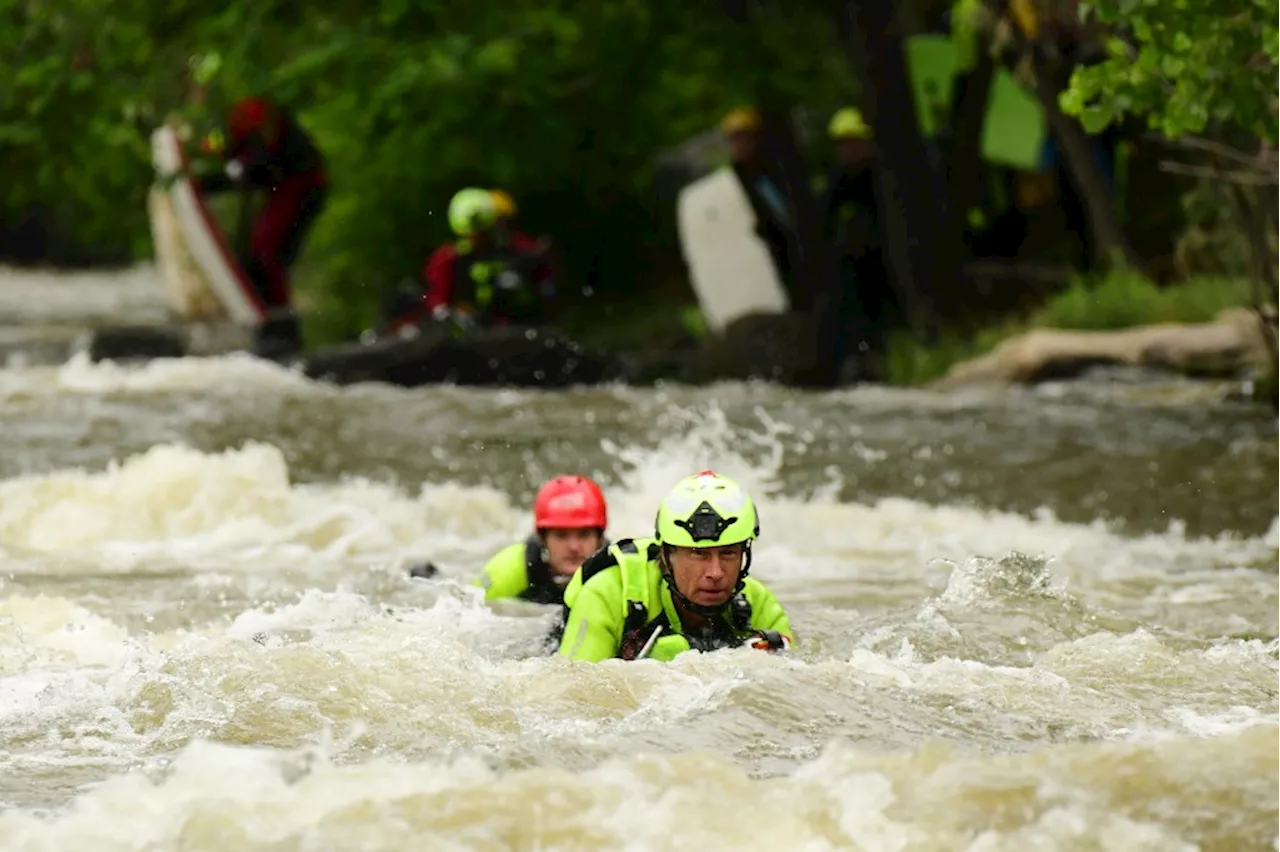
(564, 104)
(1124, 299)
(908, 363)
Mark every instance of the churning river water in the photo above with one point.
(1028, 619)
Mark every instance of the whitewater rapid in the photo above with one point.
(208, 639)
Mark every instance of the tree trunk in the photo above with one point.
(813, 259)
(964, 166)
(1264, 267)
(922, 251)
(1109, 242)
(813, 265)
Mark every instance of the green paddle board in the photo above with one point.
(1014, 129)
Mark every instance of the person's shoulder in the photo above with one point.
(605, 561)
(510, 559)
(601, 563)
(755, 590)
(515, 548)
(646, 545)
(599, 577)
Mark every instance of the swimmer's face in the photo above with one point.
(569, 548)
(707, 576)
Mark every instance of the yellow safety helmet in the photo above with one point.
(471, 210)
(848, 123)
(503, 204)
(1024, 13)
(707, 510)
(741, 120)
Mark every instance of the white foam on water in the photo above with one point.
(254, 798)
(80, 375)
(1010, 637)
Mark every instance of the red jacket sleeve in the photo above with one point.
(437, 272)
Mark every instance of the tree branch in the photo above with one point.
(1198, 143)
(1237, 177)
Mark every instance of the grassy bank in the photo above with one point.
(1114, 301)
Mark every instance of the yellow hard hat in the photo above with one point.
(741, 120)
(1024, 13)
(847, 123)
(503, 203)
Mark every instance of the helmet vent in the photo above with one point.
(705, 524)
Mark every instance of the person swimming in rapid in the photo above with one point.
(686, 588)
(570, 516)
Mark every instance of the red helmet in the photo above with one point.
(570, 502)
(248, 115)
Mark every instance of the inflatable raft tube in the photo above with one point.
(518, 357)
(512, 356)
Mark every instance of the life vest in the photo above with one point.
(646, 614)
(542, 588)
(491, 282)
(522, 566)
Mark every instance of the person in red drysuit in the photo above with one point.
(267, 149)
(492, 274)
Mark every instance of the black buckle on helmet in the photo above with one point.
(705, 524)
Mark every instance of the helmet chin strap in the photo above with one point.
(701, 609)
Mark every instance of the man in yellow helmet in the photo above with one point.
(775, 224)
(532, 255)
(570, 516)
(488, 275)
(852, 222)
(684, 589)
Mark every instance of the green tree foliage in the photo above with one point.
(1184, 65)
(72, 106)
(563, 104)
(1192, 67)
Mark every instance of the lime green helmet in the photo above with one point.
(471, 210)
(848, 123)
(707, 510)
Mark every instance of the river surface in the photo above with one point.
(1028, 620)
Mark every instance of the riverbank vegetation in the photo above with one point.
(595, 115)
(1202, 76)
(1116, 300)
(570, 107)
